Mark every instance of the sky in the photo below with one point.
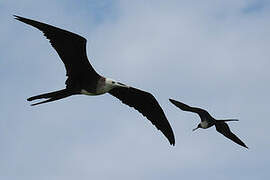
(212, 54)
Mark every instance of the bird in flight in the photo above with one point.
(208, 121)
(83, 79)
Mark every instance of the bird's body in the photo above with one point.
(206, 124)
(83, 79)
(103, 86)
(208, 121)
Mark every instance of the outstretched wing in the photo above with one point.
(201, 112)
(146, 104)
(224, 129)
(70, 47)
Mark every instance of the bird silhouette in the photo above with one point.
(208, 121)
(83, 79)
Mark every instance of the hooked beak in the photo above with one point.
(121, 84)
(195, 129)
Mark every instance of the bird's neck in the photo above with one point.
(103, 86)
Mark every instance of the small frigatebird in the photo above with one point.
(208, 121)
(83, 79)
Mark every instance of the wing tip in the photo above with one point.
(245, 146)
(174, 102)
(170, 137)
(17, 17)
(241, 143)
(172, 143)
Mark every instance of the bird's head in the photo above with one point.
(112, 83)
(199, 126)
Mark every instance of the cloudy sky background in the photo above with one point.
(212, 54)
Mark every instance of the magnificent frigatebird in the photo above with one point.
(207, 121)
(83, 79)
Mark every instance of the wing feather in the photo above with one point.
(146, 104)
(201, 112)
(70, 47)
(224, 129)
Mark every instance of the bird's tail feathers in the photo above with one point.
(52, 96)
(226, 120)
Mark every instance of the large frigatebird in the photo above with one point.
(83, 79)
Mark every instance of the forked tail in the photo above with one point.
(52, 96)
(226, 120)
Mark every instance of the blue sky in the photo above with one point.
(211, 54)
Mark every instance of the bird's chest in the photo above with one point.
(204, 124)
(98, 91)
(89, 93)
(100, 88)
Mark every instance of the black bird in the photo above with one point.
(83, 79)
(207, 121)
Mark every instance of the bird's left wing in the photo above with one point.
(146, 104)
(224, 129)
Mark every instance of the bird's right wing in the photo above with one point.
(224, 129)
(146, 104)
(70, 47)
